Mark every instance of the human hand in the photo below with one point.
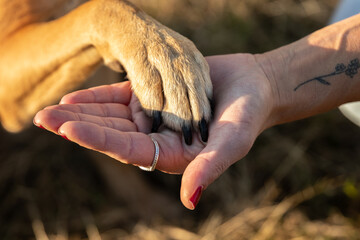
(109, 119)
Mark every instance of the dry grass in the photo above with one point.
(276, 221)
(300, 181)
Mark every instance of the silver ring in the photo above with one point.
(156, 157)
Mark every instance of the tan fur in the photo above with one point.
(47, 50)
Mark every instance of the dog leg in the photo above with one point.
(167, 72)
(42, 61)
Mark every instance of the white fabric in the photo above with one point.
(345, 9)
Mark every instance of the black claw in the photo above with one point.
(187, 134)
(157, 120)
(204, 131)
(212, 106)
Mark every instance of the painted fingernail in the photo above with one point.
(65, 137)
(38, 125)
(62, 134)
(194, 200)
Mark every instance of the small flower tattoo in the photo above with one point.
(350, 70)
(340, 67)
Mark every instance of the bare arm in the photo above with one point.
(316, 73)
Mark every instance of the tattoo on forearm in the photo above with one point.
(350, 70)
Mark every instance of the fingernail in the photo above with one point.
(63, 135)
(38, 125)
(194, 200)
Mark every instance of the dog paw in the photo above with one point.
(168, 74)
(171, 79)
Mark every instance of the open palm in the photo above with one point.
(109, 119)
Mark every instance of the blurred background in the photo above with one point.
(300, 181)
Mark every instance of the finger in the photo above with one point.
(119, 145)
(215, 158)
(128, 147)
(52, 119)
(97, 109)
(115, 93)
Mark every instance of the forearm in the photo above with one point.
(316, 73)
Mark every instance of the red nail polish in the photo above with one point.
(38, 125)
(194, 200)
(65, 137)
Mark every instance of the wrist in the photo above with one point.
(312, 75)
(274, 66)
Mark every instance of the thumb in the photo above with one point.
(213, 161)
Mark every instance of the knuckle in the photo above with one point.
(127, 149)
(219, 168)
(214, 168)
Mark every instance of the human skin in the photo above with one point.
(251, 93)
